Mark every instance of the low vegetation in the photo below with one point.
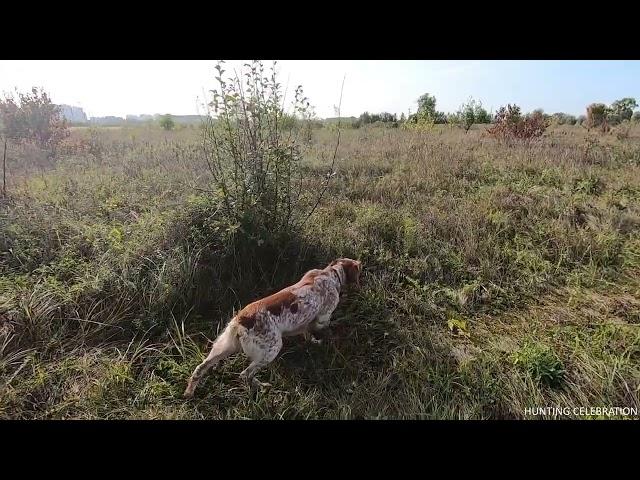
(498, 276)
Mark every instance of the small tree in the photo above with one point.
(482, 116)
(427, 115)
(622, 110)
(166, 122)
(254, 156)
(636, 116)
(426, 106)
(470, 113)
(467, 116)
(32, 118)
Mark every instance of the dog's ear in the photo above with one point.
(352, 272)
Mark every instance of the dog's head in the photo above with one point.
(351, 268)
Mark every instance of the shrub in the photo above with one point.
(510, 124)
(540, 362)
(623, 129)
(166, 122)
(33, 118)
(597, 114)
(453, 119)
(482, 116)
(563, 119)
(253, 152)
(602, 117)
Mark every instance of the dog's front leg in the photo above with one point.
(309, 337)
(320, 323)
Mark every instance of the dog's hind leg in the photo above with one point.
(249, 374)
(261, 351)
(225, 345)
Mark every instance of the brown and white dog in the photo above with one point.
(299, 309)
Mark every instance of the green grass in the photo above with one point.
(496, 277)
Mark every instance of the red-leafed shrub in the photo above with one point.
(511, 124)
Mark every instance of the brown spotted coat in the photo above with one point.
(301, 308)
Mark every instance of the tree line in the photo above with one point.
(472, 112)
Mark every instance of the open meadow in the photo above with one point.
(498, 276)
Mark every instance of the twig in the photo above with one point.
(333, 161)
(283, 250)
(15, 374)
(202, 190)
(4, 170)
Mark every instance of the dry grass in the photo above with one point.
(497, 277)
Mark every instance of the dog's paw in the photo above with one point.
(256, 386)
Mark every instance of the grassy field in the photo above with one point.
(496, 277)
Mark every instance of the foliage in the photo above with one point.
(622, 110)
(253, 152)
(427, 115)
(541, 363)
(492, 272)
(468, 114)
(510, 124)
(597, 116)
(563, 119)
(32, 118)
(623, 129)
(602, 117)
(369, 118)
(166, 122)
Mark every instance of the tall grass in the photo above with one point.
(497, 276)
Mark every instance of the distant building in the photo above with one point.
(76, 115)
(73, 114)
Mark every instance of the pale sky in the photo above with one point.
(121, 87)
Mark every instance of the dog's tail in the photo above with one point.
(227, 342)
